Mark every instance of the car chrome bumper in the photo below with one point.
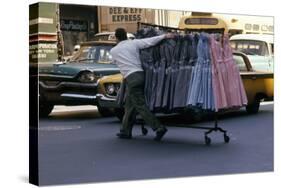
(78, 96)
(62, 85)
(69, 93)
(106, 102)
(69, 99)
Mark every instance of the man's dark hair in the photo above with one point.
(121, 34)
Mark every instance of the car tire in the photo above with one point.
(105, 112)
(45, 109)
(253, 108)
(119, 113)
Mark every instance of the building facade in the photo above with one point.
(43, 32)
(78, 23)
(62, 26)
(111, 18)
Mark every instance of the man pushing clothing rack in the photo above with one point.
(126, 56)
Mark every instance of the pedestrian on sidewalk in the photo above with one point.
(126, 56)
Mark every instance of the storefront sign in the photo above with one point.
(42, 52)
(268, 28)
(74, 25)
(256, 27)
(41, 20)
(120, 14)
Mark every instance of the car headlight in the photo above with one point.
(87, 77)
(110, 89)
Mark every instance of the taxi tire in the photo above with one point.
(105, 112)
(253, 108)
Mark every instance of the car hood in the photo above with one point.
(257, 58)
(262, 63)
(72, 69)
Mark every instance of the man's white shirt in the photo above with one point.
(126, 54)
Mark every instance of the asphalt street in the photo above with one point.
(77, 145)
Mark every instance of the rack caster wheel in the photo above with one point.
(226, 138)
(144, 131)
(207, 140)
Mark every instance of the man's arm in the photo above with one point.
(145, 43)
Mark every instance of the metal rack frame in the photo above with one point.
(209, 129)
(142, 24)
(208, 140)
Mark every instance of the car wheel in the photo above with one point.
(45, 109)
(253, 108)
(119, 113)
(105, 112)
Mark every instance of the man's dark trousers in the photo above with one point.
(135, 103)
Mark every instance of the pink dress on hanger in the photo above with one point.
(218, 72)
(237, 95)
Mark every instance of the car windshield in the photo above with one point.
(240, 63)
(98, 54)
(250, 47)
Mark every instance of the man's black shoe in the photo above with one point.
(160, 133)
(124, 136)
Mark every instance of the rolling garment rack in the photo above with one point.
(209, 130)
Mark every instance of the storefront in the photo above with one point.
(55, 29)
(78, 23)
(111, 18)
(43, 33)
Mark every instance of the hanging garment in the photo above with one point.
(217, 73)
(194, 71)
(175, 69)
(193, 62)
(155, 72)
(207, 89)
(228, 88)
(237, 92)
(148, 62)
(146, 57)
(200, 91)
(169, 49)
(146, 32)
(161, 77)
(184, 73)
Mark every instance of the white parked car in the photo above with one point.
(258, 47)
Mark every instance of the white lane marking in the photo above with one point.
(61, 108)
(74, 108)
(58, 128)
